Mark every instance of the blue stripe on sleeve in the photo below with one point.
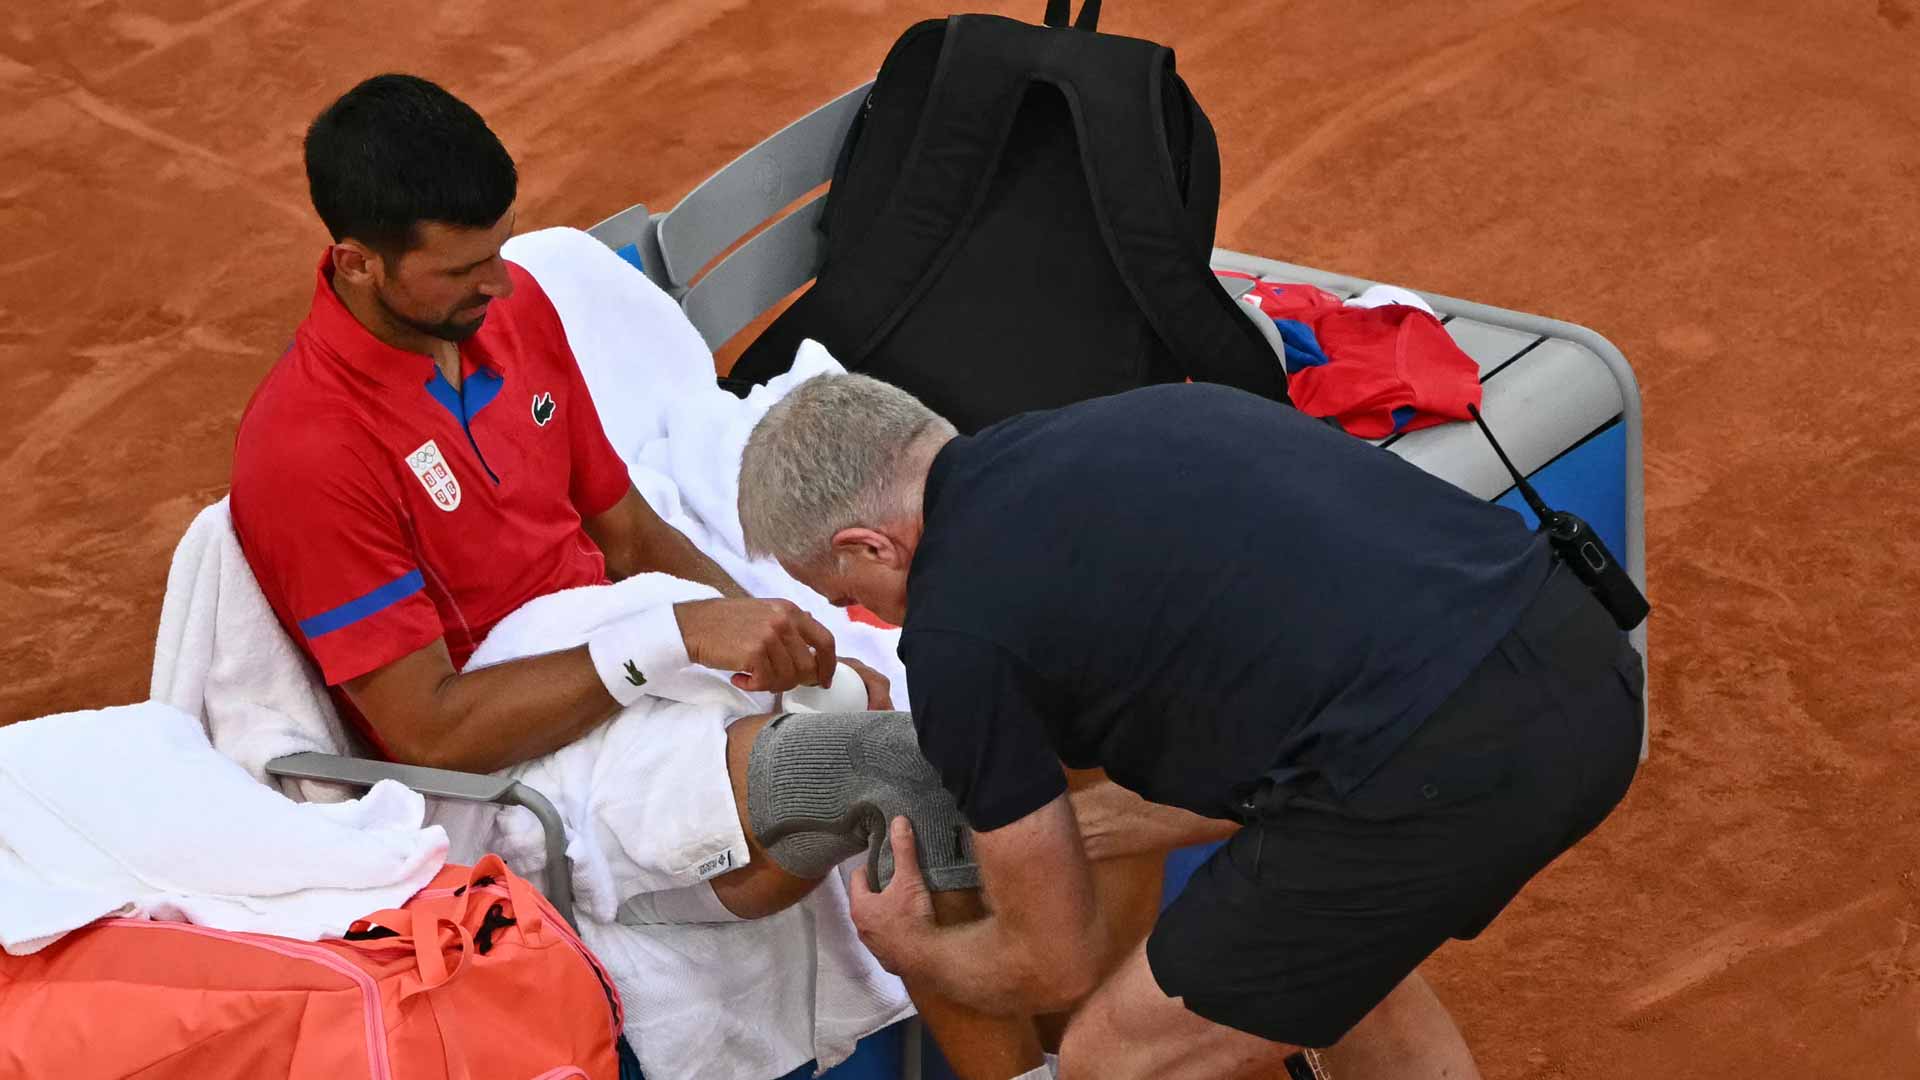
(372, 603)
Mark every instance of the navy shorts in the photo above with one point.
(1304, 921)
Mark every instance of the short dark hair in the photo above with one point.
(398, 150)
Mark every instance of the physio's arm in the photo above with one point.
(480, 721)
(1039, 950)
(975, 1043)
(636, 540)
(1115, 823)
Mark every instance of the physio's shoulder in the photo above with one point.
(946, 654)
(957, 584)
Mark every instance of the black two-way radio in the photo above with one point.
(1579, 547)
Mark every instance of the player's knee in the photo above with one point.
(822, 787)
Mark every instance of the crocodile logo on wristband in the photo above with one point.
(634, 676)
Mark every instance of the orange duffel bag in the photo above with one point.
(475, 978)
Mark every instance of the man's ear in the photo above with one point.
(356, 263)
(870, 546)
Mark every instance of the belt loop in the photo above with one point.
(1264, 798)
(1249, 802)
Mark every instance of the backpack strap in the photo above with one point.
(1089, 14)
(868, 286)
(1147, 224)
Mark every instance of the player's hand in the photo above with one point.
(879, 688)
(772, 644)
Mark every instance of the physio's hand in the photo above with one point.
(879, 689)
(1115, 823)
(773, 644)
(896, 922)
(1105, 812)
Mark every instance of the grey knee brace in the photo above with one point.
(821, 788)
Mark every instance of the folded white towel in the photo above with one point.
(128, 811)
(222, 657)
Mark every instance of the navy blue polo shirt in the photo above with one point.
(1190, 586)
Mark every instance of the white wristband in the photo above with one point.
(637, 649)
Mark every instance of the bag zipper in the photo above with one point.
(378, 1066)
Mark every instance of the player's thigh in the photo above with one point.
(761, 887)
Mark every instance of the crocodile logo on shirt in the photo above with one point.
(543, 408)
(634, 676)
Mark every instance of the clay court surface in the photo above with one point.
(1729, 190)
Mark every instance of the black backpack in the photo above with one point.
(1021, 218)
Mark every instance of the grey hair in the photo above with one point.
(836, 452)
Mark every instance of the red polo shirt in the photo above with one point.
(380, 508)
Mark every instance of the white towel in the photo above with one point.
(128, 811)
(651, 377)
(648, 805)
(645, 796)
(222, 657)
(748, 999)
(754, 999)
(1384, 295)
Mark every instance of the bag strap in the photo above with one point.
(420, 930)
(1089, 19)
(433, 925)
(970, 106)
(527, 912)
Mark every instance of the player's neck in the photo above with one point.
(369, 312)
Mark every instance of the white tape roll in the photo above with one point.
(847, 694)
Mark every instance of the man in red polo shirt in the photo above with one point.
(425, 459)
